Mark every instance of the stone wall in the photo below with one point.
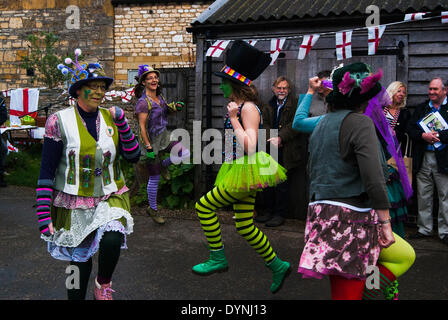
(154, 34)
(19, 18)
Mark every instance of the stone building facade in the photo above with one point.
(153, 33)
(20, 18)
(119, 34)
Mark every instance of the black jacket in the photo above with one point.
(419, 145)
(294, 143)
(3, 111)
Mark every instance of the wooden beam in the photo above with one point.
(198, 104)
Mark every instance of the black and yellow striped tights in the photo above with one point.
(243, 206)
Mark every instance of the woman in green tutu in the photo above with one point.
(245, 170)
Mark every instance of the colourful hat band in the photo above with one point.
(229, 71)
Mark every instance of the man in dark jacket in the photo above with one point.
(3, 148)
(430, 162)
(279, 113)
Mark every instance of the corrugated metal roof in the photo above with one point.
(234, 11)
(143, 2)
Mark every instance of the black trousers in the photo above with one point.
(276, 199)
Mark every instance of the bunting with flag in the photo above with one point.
(374, 35)
(276, 48)
(343, 39)
(6, 93)
(414, 16)
(444, 16)
(251, 42)
(217, 48)
(308, 42)
(344, 45)
(125, 96)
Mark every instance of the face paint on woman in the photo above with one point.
(226, 88)
(92, 94)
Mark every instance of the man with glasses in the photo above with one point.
(430, 162)
(278, 114)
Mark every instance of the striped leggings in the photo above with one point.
(243, 207)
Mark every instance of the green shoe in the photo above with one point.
(217, 262)
(391, 291)
(280, 270)
(155, 215)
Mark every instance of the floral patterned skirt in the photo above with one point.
(339, 240)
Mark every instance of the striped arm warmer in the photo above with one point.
(44, 193)
(129, 142)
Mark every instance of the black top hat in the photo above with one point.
(244, 63)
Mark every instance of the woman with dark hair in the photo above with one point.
(349, 203)
(245, 171)
(152, 113)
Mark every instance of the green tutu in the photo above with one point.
(248, 173)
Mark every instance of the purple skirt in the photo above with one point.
(339, 240)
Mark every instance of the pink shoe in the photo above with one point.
(103, 291)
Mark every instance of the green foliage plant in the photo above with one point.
(43, 58)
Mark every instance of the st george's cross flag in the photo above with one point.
(307, 43)
(217, 48)
(127, 95)
(375, 34)
(10, 147)
(276, 48)
(344, 45)
(444, 16)
(23, 101)
(414, 16)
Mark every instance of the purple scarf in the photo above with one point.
(375, 112)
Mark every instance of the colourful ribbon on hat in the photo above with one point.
(236, 75)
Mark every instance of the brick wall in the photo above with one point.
(154, 34)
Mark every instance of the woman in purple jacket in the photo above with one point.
(152, 114)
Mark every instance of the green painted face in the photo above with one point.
(226, 88)
(92, 93)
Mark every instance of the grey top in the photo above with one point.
(318, 106)
(358, 148)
